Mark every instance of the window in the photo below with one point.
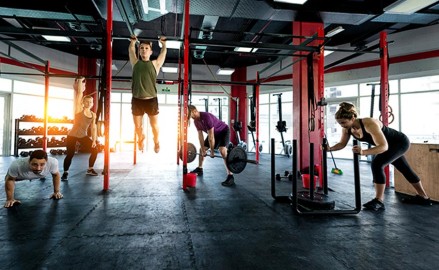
(5, 85)
(420, 84)
(115, 97)
(366, 88)
(60, 92)
(418, 116)
(19, 109)
(126, 98)
(28, 88)
(171, 99)
(341, 91)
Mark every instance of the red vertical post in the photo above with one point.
(256, 98)
(87, 67)
(301, 113)
(109, 77)
(46, 103)
(384, 89)
(240, 92)
(185, 86)
(320, 95)
(179, 116)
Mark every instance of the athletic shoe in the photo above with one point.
(65, 176)
(374, 205)
(91, 172)
(198, 171)
(230, 181)
(417, 200)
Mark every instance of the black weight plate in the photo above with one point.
(191, 153)
(236, 160)
(288, 149)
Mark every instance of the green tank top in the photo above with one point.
(144, 80)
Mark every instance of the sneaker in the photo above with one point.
(156, 147)
(65, 176)
(230, 181)
(374, 204)
(140, 143)
(417, 200)
(91, 172)
(198, 171)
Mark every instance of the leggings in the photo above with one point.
(395, 156)
(71, 149)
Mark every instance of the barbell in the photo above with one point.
(236, 160)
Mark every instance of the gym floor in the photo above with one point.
(146, 221)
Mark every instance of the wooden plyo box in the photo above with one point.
(424, 160)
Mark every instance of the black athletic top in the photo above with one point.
(392, 136)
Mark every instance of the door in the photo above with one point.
(5, 125)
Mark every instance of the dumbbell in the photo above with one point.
(286, 175)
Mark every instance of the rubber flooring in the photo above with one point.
(147, 221)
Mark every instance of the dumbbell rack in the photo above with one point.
(38, 132)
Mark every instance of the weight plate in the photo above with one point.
(288, 149)
(191, 152)
(236, 160)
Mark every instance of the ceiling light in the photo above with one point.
(298, 2)
(225, 71)
(408, 7)
(44, 28)
(335, 31)
(169, 69)
(56, 38)
(171, 44)
(243, 49)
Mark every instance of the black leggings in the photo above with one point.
(86, 142)
(395, 156)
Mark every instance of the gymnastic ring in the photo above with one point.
(390, 115)
(100, 126)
